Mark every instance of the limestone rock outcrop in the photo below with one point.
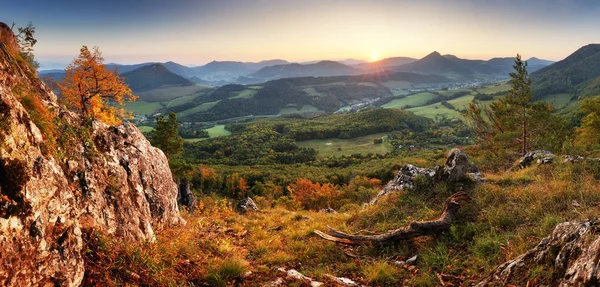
(457, 168)
(571, 252)
(52, 192)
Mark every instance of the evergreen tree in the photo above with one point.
(165, 135)
(519, 97)
(514, 122)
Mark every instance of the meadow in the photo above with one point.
(338, 147)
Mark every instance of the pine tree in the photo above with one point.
(520, 98)
(514, 122)
(166, 135)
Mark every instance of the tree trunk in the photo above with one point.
(414, 229)
(524, 139)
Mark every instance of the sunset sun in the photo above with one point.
(374, 57)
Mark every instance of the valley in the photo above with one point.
(251, 143)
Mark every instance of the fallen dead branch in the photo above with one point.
(414, 229)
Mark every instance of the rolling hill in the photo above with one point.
(578, 74)
(320, 69)
(464, 69)
(152, 77)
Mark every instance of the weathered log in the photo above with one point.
(414, 229)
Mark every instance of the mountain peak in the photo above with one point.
(433, 54)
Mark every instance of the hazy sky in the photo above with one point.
(194, 32)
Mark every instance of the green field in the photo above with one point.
(558, 100)
(462, 102)
(492, 89)
(170, 93)
(311, 91)
(398, 84)
(199, 108)
(246, 94)
(431, 111)
(362, 145)
(218, 131)
(180, 101)
(369, 84)
(145, 129)
(303, 109)
(449, 93)
(143, 107)
(412, 100)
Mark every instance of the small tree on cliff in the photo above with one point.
(93, 90)
(25, 38)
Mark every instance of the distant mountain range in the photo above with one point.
(152, 77)
(385, 63)
(576, 75)
(219, 73)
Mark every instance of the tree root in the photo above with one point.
(414, 229)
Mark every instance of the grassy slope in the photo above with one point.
(431, 111)
(218, 131)
(361, 145)
(507, 216)
(199, 108)
(303, 109)
(143, 107)
(170, 93)
(412, 100)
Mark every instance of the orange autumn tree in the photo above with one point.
(93, 90)
(313, 195)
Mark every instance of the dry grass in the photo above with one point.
(507, 216)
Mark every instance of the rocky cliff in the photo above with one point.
(62, 177)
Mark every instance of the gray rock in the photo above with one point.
(529, 158)
(412, 260)
(246, 205)
(328, 210)
(457, 168)
(572, 159)
(571, 252)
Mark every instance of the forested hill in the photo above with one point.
(327, 94)
(273, 141)
(320, 69)
(154, 76)
(578, 74)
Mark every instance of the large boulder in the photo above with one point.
(100, 179)
(571, 252)
(457, 167)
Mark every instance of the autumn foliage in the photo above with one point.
(313, 195)
(93, 90)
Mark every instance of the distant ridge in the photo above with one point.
(154, 76)
(577, 74)
(457, 68)
(386, 63)
(320, 69)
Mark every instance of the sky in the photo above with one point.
(195, 32)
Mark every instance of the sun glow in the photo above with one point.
(374, 57)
